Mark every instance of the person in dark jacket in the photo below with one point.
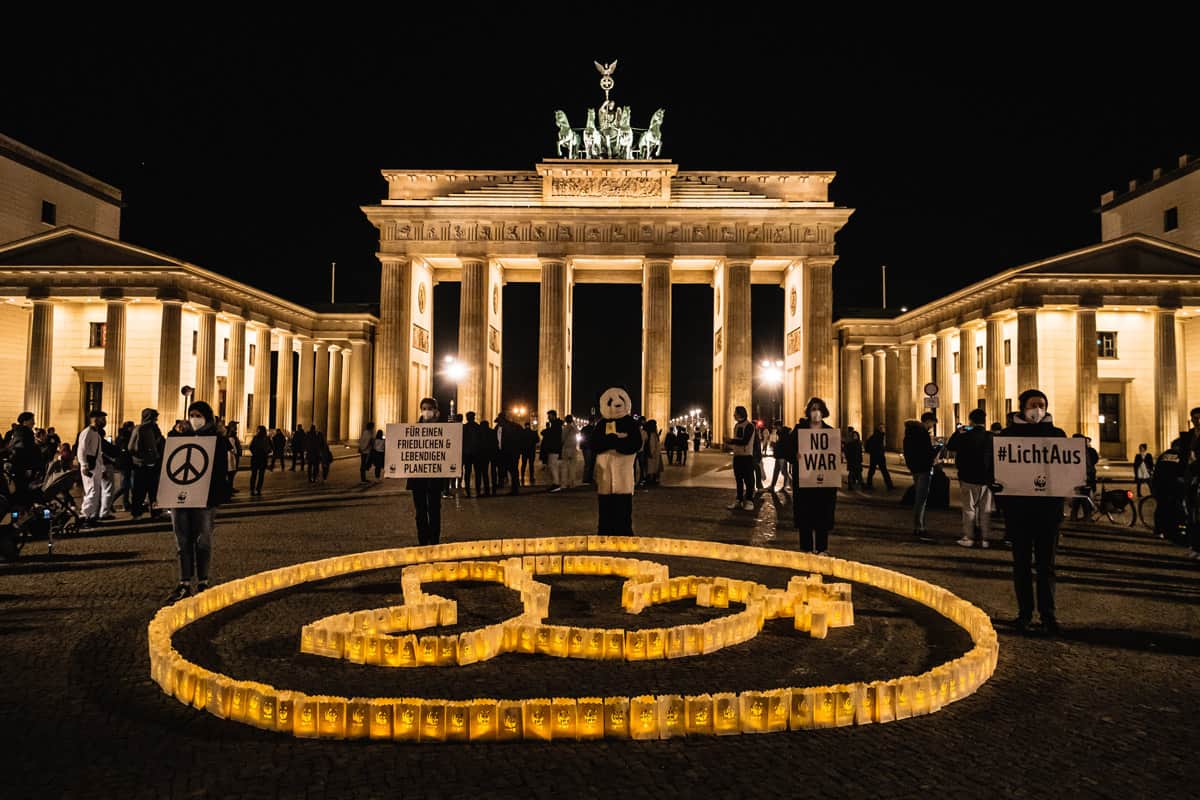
(972, 449)
(124, 465)
(378, 453)
(313, 447)
(1079, 505)
(1143, 467)
(427, 492)
(509, 441)
(278, 445)
(589, 455)
(552, 445)
(26, 458)
(876, 447)
(742, 443)
(852, 451)
(1032, 522)
(813, 507)
(488, 450)
(919, 455)
(783, 452)
(529, 455)
(194, 526)
(145, 448)
(299, 447)
(260, 451)
(470, 453)
(1168, 485)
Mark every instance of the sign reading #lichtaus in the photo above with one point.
(1039, 466)
(818, 457)
(424, 450)
(186, 471)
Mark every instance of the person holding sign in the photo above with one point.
(1031, 520)
(193, 527)
(817, 477)
(427, 492)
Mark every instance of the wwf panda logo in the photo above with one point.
(1040, 482)
(615, 403)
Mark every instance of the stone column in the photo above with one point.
(852, 391)
(552, 338)
(866, 366)
(924, 369)
(333, 396)
(344, 400)
(904, 382)
(320, 388)
(1087, 375)
(472, 337)
(39, 366)
(1166, 379)
(656, 340)
(968, 376)
(945, 381)
(262, 378)
(114, 360)
(360, 389)
(738, 357)
(170, 344)
(818, 333)
(283, 384)
(894, 410)
(304, 383)
(880, 392)
(206, 358)
(994, 361)
(1027, 350)
(392, 340)
(235, 382)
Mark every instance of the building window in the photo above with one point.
(978, 358)
(1007, 406)
(195, 341)
(225, 350)
(1171, 219)
(955, 358)
(1106, 344)
(1007, 352)
(252, 349)
(97, 334)
(93, 397)
(933, 368)
(50, 213)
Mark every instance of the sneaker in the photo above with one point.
(107, 517)
(922, 536)
(181, 591)
(555, 489)
(984, 544)
(965, 542)
(747, 505)
(735, 506)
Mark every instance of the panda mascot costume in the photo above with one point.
(615, 440)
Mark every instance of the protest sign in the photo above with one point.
(818, 458)
(1039, 466)
(424, 450)
(186, 471)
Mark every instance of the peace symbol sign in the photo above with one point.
(187, 464)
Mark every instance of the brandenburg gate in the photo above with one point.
(606, 213)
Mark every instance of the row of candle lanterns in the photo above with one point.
(641, 717)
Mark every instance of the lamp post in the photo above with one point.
(454, 371)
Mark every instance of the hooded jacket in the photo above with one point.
(146, 443)
(918, 449)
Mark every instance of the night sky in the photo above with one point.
(250, 153)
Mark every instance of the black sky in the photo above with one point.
(964, 151)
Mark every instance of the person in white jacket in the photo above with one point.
(97, 473)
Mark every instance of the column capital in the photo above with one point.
(738, 261)
(998, 316)
(1169, 304)
(655, 258)
(169, 295)
(112, 294)
(38, 294)
(1090, 301)
(820, 261)
(546, 259)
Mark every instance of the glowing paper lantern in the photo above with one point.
(656, 643)
(537, 719)
(331, 722)
(614, 644)
(616, 717)
(406, 722)
(675, 643)
(753, 711)
(824, 701)
(725, 714)
(483, 720)
(307, 712)
(285, 712)
(699, 711)
(847, 704)
(643, 717)
(380, 714)
(589, 717)
(564, 717)
(778, 709)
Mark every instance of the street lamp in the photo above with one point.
(454, 371)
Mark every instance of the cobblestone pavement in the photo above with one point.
(1103, 711)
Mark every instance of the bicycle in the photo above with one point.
(1115, 505)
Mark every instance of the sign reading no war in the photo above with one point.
(186, 471)
(424, 450)
(1039, 466)
(818, 457)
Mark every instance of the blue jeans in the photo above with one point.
(920, 498)
(193, 534)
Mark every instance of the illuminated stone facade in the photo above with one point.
(1110, 333)
(574, 222)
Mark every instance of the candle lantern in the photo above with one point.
(332, 717)
(725, 714)
(380, 713)
(457, 721)
(406, 722)
(560, 641)
(866, 699)
(824, 702)
(656, 643)
(264, 708)
(923, 695)
(307, 714)
(589, 717)
(635, 646)
(218, 696)
(468, 652)
(537, 719)
(564, 717)
(885, 701)
(239, 700)
(693, 640)
(285, 712)
(778, 709)
(447, 650)
(483, 720)
(356, 649)
(675, 643)
(433, 720)
(847, 703)
(906, 690)
(643, 717)
(427, 651)
(753, 711)
(699, 711)
(595, 644)
(820, 622)
(577, 643)
(616, 717)
(801, 715)
(614, 644)
(183, 682)
(672, 716)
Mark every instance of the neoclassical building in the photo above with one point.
(570, 222)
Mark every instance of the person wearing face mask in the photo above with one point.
(1032, 523)
(742, 444)
(812, 506)
(193, 527)
(97, 471)
(427, 492)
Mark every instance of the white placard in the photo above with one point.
(1039, 466)
(931, 402)
(818, 457)
(186, 471)
(424, 449)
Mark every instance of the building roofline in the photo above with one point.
(77, 179)
(1186, 167)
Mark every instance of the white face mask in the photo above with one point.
(428, 414)
(196, 422)
(1035, 415)
(815, 415)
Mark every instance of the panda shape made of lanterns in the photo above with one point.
(615, 441)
